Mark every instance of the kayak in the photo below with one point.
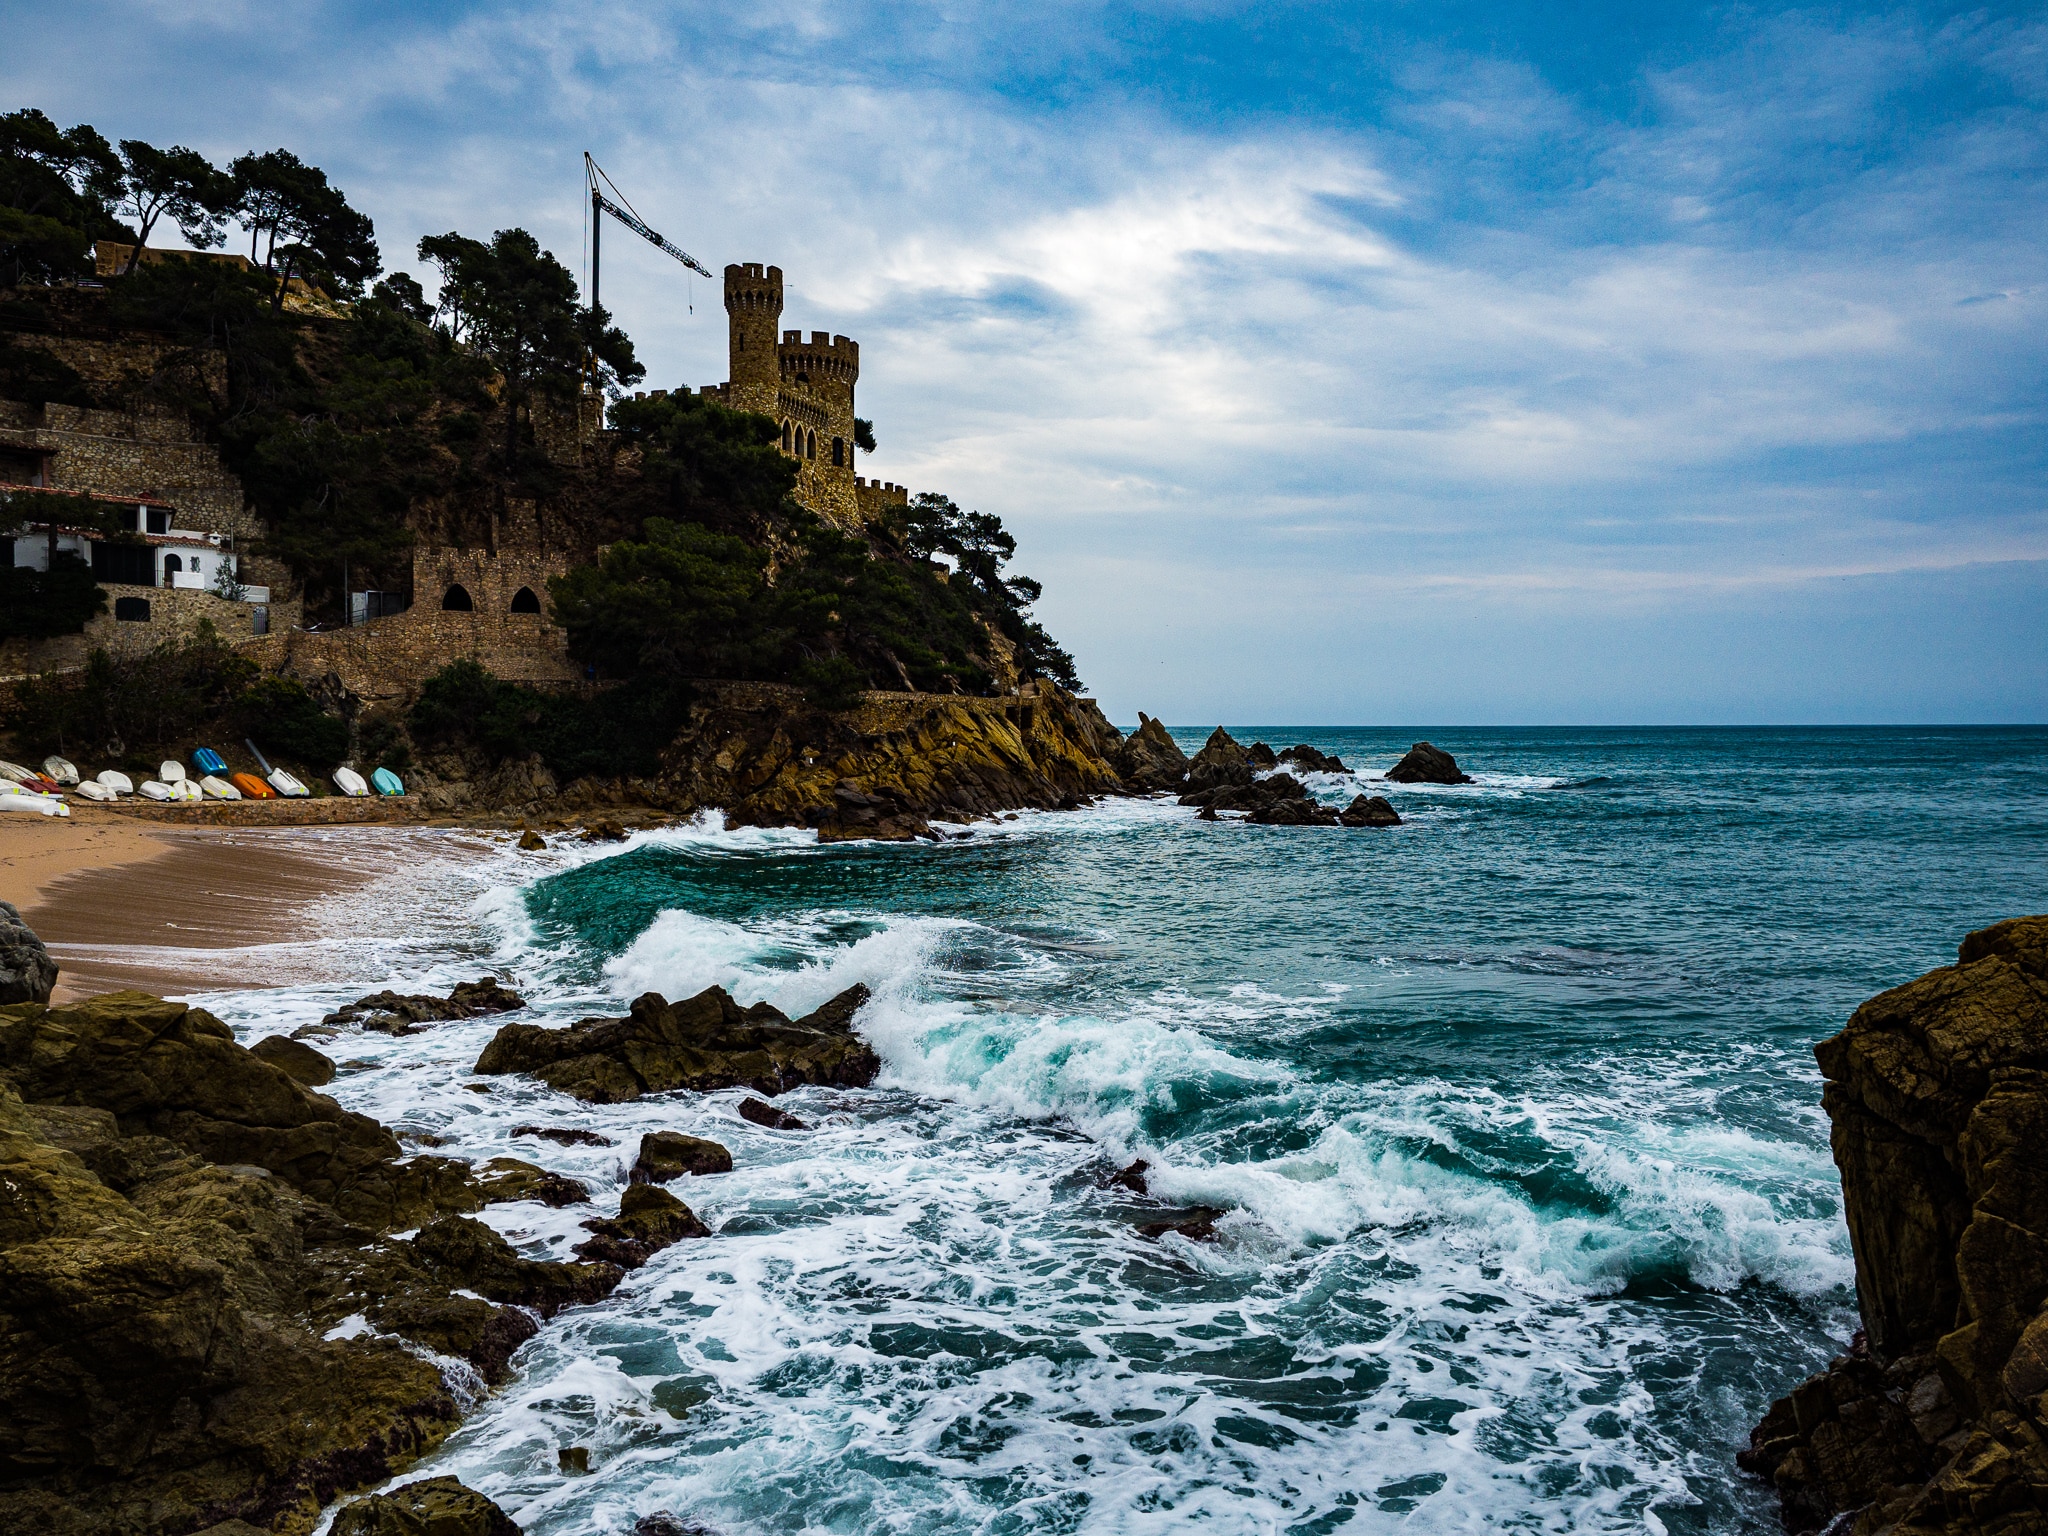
(117, 781)
(206, 760)
(387, 782)
(93, 789)
(286, 785)
(218, 789)
(252, 788)
(42, 805)
(170, 770)
(349, 782)
(153, 789)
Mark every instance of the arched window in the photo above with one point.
(131, 610)
(838, 451)
(810, 445)
(172, 565)
(739, 341)
(456, 600)
(523, 601)
(785, 437)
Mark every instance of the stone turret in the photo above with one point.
(753, 308)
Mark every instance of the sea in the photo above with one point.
(1508, 1116)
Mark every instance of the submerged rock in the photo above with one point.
(1370, 811)
(1934, 1422)
(1427, 764)
(1149, 759)
(1301, 812)
(666, 1155)
(27, 973)
(564, 1136)
(396, 1013)
(435, 1506)
(705, 1042)
(1221, 761)
(1197, 1225)
(509, 1178)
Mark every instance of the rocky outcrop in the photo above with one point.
(666, 1155)
(1369, 811)
(1934, 1421)
(1150, 760)
(435, 1506)
(649, 1220)
(27, 973)
(1221, 761)
(1299, 811)
(1309, 760)
(183, 1225)
(706, 1042)
(296, 1058)
(761, 1113)
(885, 769)
(1427, 764)
(400, 1013)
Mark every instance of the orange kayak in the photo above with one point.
(252, 786)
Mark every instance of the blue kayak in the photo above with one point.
(387, 782)
(206, 760)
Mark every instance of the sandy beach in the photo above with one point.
(127, 902)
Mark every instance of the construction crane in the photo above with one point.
(593, 175)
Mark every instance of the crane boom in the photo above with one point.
(600, 205)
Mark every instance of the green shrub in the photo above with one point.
(617, 731)
(286, 721)
(140, 704)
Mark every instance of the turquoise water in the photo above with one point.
(1511, 1112)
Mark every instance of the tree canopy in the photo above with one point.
(177, 183)
(305, 226)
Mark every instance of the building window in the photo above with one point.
(838, 451)
(785, 437)
(124, 565)
(156, 520)
(810, 445)
(131, 610)
(523, 601)
(172, 565)
(456, 600)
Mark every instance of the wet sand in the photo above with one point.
(128, 904)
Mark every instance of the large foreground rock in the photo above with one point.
(27, 973)
(170, 1266)
(1428, 764)
(1221, 761)
(706, 1042)
(1934, 1422)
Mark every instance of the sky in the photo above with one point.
(1386, 362)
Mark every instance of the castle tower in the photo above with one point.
(753, 309)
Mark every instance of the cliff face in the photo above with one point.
(1934, 1422)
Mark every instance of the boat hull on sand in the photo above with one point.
(349, 782)
(218, 789)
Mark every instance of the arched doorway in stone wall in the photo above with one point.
(456, 600)
(523, 601)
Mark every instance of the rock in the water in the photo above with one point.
(1132, 1177)
(1309, 760)
(508, 1178)
(649, 1220)
(295, 1057)
(436, 1506)
(396, 1013)
(1197, 1225)
(704, 1043)
(564, 1136)
(1221, 761)
(663, 1523)
(27, 973)
(1369, 811)
(532, 842)
(761, 1112)
(1261, 756)
(1935, 1420)
(1427, 764)
(666, 1155)
(604, 830)
(1302, 812)
(1149, 759)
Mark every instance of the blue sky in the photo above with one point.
(1378, 362)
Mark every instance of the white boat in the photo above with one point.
(93, 789)
(115, 780)
(170, 770)
(185, 789)
(14, 773)
(152, 789)
(41, 805)
(219, 789)
(285, 784)
(349, 782)
(61, 769)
